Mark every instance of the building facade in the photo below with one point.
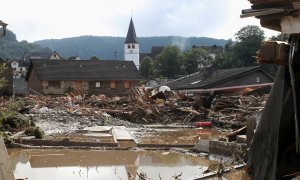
(85, 77)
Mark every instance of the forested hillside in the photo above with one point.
(10, 48)
(87, 46)
(104, 47)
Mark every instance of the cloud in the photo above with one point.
(35, 19)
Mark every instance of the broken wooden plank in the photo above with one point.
(232, 136)
(212, 174)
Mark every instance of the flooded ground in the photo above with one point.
(187, 136)
(91, 164)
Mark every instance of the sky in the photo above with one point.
(34, 20)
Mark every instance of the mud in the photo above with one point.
(174, 135)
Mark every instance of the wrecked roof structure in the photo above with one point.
(225, 78)
(275, 149)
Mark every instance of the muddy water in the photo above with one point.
(174, 136)
(65, 164)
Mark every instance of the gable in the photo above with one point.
(251, 78)
(55, 55)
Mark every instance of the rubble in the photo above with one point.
(61, 114)
(233, 111)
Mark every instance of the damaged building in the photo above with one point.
(89, 77)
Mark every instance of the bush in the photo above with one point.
(38, 133)
(35, 131)
(10, 120)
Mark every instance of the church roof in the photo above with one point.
(131, 36)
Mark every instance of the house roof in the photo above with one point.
(186, 80)
(88, 70)
(155, 50)
(38, 55)
(131, 35)
(21, 62)
(196, 81)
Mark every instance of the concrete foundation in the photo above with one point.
(5, 171)
(219, 147)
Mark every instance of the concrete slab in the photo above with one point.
(98, 135)
(98, 129)
(167, 126)
(224, 148)
(121, 133)
(5, 171)
(202, 146)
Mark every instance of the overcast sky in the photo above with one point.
(33, 20)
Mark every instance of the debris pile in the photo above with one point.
(57, 114)
(233, 111)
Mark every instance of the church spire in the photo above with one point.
(131, 36)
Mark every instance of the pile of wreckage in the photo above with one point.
(140, 107)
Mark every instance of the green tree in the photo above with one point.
(94, 58)
(3, 80)
(194, 59)
(249, 39)
(146, 68)
(226, 61)
(167, 63)
(280, 37)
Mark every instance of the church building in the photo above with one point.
(131, 46)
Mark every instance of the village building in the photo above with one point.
(40, 55)
(214, 51)
(19, 68)
(85, 77)
(155, 50)
(223, 80)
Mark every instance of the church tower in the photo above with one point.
(131, 46)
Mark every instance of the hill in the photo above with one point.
(13, 49)
(105, 46)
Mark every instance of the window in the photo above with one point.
(257, 79)
(133, 46)
(98, 84)
(54, 84)
(128, 46)
(126, 84)
(112, 84)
